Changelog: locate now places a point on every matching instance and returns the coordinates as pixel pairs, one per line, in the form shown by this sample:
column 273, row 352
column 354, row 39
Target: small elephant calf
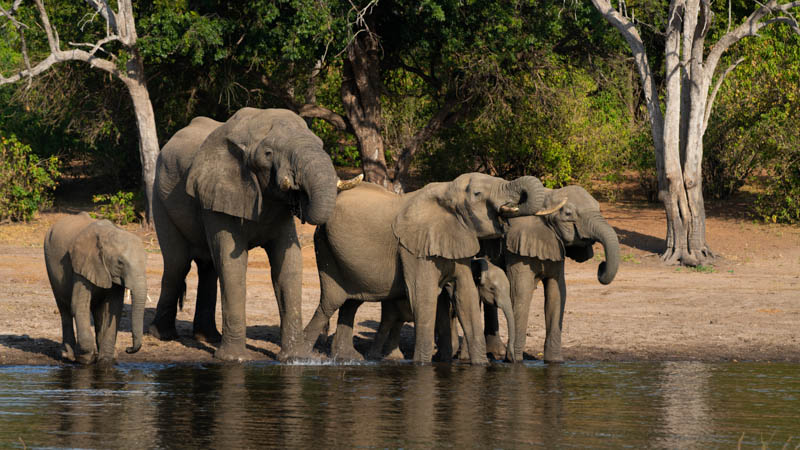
column 494, row 291
column 90, row 263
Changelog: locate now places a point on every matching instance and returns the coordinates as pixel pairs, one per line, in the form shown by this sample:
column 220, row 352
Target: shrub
column 119, row 208
column 26, row 181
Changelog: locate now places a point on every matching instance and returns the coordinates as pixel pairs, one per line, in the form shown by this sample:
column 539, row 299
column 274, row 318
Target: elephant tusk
column 286, row 184
column 545, row 212
column 509, row 210
column 343, row 185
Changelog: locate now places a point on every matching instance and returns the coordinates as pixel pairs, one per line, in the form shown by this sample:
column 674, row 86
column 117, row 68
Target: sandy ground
column 746, row 307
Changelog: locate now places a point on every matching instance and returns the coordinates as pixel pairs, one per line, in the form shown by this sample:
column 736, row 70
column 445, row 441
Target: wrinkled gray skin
column 493, row 289
column 382, row 246
column 89, row 264
column 224, row 188
column 535, row 248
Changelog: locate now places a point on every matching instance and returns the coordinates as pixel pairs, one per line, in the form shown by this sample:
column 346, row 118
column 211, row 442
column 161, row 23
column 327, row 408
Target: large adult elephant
column 225, row 188
column 382, row 246
column 535, row 248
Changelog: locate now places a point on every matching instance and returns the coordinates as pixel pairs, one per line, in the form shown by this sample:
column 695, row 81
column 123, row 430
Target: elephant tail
column 182, row 296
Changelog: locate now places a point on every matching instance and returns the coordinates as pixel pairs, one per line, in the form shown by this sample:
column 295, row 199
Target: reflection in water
column 686, row 414
column 232, row 406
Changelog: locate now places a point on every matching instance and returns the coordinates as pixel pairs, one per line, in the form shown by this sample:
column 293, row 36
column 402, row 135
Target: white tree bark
column 688, row 99
column 120, row 27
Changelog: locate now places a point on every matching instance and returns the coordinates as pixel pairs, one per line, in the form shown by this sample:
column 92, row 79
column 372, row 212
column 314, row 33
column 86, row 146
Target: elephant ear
column 86, row 254
column 220, row 178
column 530, row 236
column 580, row 253
column 426, row 227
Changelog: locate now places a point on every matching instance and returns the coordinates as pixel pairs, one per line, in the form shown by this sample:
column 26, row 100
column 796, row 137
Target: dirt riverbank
column 745, row 307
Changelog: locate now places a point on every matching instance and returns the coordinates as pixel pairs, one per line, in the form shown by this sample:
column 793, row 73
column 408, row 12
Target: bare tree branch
column 97, row 45
column 631, row 35
column 750, row 27
column 104, row 9
column 713, row 96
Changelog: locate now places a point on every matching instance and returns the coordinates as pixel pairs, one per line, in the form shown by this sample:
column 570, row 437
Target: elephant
column 494, row 290
column 534, row 248
column 222, row 189
column 379, row 245
column 90, row 263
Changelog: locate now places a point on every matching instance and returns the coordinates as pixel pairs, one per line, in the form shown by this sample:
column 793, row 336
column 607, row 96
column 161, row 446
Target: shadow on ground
column 639, row 241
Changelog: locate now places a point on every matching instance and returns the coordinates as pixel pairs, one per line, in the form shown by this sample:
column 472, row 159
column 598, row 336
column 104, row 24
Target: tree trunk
column 361, row 100
column 146, row 125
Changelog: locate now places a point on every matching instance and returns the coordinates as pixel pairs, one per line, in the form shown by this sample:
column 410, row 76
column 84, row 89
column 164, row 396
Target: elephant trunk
column 138, row 300
column 505, row 305
column 317, row 178
column 528, row 192
column 605, row 234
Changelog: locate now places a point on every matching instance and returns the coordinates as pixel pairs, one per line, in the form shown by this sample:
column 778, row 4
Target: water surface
column 671, row 404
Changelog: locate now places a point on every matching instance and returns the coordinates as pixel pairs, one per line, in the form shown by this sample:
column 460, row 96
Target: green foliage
column 560, row 126
column 121, row 208
column 753, row 133
column 26, row 182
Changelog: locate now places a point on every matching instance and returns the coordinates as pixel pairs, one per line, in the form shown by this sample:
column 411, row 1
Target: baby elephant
column 90, row 263
column 494, row 290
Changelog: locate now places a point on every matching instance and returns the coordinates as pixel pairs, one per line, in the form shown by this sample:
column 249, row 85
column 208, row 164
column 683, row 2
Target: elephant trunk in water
column 317, row 177
column 138, row 299
column 530, row 194
column 605, row 234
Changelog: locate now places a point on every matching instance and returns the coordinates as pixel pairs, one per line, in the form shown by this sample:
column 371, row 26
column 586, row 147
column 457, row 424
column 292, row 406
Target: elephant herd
column 429, row 256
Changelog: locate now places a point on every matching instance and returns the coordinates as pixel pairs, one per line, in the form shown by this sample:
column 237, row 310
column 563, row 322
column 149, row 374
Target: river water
column 670, row 404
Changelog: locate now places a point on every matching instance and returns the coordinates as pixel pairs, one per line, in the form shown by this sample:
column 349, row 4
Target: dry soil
column 745, row 307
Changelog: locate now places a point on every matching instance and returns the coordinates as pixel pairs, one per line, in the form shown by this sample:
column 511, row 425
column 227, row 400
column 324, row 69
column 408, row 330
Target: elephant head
column 568, row 225
column 448, row 219
column 495, row 289
column 106, row 255
column 264, row 153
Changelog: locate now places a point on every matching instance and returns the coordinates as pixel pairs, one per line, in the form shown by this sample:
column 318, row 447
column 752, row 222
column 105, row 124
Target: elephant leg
column 67, row 329
column 205, row 323
column 446, row 346
column 175, row 254
column 342, row 346
column 555, row 297
column 107, row 313
column 468, row 310
column 286, row 262
column 229, row 250
column 387, row 338
column 523, row 282
column 422, row 285
column 491, row 330
column 81, row 310
column 332, row 296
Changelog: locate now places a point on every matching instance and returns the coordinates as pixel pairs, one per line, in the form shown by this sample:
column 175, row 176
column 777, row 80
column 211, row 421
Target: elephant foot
column 495, row 347
column 441, row 357
column 374, row 355
column 346, row 354
column 67, row 353
column 232, row 352
column 105, row 361
column 86, row 358
column 210, row 335
column 553, row 357
column 557, row 360
column 162, row 333
column 290, row 355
